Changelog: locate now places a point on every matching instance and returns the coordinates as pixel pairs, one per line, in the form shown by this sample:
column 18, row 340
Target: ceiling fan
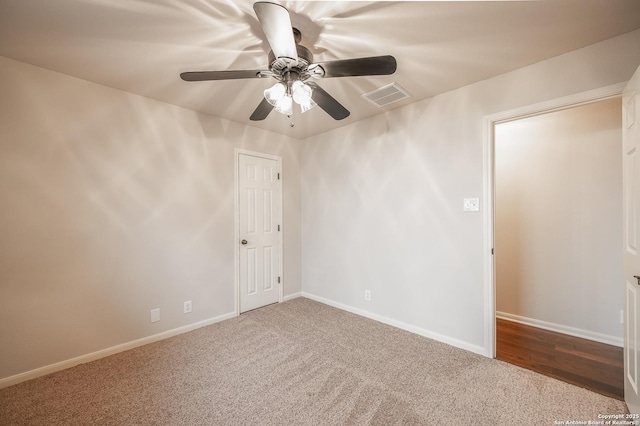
column 292, row 66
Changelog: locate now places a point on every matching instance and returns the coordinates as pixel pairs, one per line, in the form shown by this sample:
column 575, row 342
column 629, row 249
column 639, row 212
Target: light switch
column 471, row 204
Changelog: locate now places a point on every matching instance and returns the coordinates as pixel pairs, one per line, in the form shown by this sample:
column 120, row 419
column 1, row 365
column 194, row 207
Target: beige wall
column 558, row 219
column 382, row 199
column 112, row 205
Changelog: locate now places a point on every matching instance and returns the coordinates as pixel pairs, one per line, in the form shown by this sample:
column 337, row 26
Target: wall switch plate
column 187, row 306
column 367, row 295
column 471, row 204
column 155, row 315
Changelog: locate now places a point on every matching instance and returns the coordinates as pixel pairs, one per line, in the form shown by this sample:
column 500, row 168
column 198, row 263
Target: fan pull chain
column 292, row 124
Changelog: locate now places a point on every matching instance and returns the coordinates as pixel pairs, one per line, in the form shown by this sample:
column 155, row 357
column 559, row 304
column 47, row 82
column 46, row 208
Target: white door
column 631, row 224
column 259, row 248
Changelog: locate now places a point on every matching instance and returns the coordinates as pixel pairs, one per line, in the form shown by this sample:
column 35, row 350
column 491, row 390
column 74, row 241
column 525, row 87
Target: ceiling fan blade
column 327, row 102
column 276, row 24
column 222, row 75
column 262, row 111
column 374, row 65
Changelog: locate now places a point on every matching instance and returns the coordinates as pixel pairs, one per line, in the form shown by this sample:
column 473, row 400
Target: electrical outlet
column 367, row 295
column 187, row 306
column 155, row 315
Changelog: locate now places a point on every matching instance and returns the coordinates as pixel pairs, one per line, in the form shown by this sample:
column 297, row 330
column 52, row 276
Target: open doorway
column 557, row 239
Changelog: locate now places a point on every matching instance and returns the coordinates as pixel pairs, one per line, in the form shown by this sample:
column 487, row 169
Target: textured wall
column 382, row 198
column 112, row 205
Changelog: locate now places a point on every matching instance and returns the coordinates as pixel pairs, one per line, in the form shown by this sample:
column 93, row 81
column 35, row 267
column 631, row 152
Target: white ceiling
column 141, row 46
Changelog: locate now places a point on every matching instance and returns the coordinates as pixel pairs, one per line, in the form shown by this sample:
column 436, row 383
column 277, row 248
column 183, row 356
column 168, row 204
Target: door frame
column 489, row 123
column 236, row 222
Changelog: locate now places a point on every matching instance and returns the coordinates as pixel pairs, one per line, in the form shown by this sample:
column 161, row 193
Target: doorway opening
column 554, row 204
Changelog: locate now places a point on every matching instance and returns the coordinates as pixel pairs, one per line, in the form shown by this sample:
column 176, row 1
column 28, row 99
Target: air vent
column 387, row 95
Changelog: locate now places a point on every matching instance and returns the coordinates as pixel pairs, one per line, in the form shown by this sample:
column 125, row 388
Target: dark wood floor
column 585, row 363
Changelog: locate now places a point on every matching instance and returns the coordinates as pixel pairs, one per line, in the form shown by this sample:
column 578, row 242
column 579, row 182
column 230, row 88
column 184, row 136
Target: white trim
column 63, row 365
column 489, row 264
column 398, row 324
column 236, row 222
column 489, row 123
column 564, row 329
column 292, row 296
column 574, row 100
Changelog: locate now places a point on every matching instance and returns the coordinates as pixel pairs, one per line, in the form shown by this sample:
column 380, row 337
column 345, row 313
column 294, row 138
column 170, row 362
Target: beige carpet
column 298, row 363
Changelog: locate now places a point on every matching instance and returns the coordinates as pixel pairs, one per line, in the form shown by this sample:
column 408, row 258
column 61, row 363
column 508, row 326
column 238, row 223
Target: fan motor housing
column 305, row 58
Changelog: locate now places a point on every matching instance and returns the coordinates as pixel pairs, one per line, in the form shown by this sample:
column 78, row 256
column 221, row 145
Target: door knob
column 244, row 242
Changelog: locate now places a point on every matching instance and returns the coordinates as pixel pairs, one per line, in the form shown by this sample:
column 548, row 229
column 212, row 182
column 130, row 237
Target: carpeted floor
column 299, row 363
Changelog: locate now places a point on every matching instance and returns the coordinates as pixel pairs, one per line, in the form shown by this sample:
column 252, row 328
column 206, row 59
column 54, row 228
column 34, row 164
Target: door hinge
column 278, row 228
column 491, row 250
column 278, row 280
column 278, row 176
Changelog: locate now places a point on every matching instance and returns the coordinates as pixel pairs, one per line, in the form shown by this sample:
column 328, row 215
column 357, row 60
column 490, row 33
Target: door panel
column 631, row 257
column 259, row 250
column 267, row 196
column 631, row 347
column 630, row 200
column 251, row 212
column 268, row 270
column 251, row 269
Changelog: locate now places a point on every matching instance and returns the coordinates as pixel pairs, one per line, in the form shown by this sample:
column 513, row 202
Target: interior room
column 558, row 223
column 121, row 220
column 558, row 233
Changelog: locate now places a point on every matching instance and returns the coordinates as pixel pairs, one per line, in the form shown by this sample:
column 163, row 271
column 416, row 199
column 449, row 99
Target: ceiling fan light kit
column 291, row 64
column 302, row 95
column 282, row 95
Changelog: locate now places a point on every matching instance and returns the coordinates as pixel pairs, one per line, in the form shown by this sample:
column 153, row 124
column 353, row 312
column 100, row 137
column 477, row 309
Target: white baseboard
column 398, row 324
column 42, row 371
column 292, row 296
column 558, row 328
